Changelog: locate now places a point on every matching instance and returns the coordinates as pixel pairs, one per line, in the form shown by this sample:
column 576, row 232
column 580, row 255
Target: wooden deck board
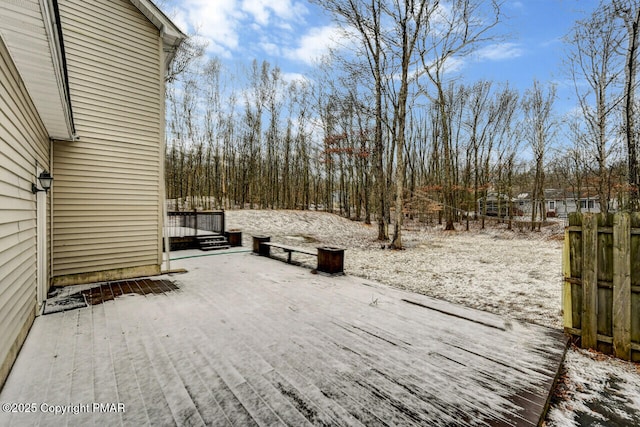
column 131, row 372
column 247, row 341
column 386, row 352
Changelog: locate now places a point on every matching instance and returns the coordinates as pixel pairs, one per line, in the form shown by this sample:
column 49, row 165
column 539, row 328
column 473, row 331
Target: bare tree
column 508, row 146
column 409, row 19
column 479, row 120
column 365, row 17
column 593, row 60
column 539, row 127
column 629, row 12
column 455, row 30
column 189, row 51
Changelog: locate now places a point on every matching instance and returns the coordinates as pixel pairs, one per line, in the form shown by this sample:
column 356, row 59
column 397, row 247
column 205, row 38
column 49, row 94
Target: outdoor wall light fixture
column 45, row 179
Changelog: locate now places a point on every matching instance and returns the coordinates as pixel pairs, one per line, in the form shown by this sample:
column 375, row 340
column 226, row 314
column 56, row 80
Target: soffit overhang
column 170, row 33
column 29, row 29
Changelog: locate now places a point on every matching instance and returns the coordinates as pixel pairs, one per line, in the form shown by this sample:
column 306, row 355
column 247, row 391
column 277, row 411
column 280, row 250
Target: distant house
column 560, row 203
column 81, row 97
column 496, row 204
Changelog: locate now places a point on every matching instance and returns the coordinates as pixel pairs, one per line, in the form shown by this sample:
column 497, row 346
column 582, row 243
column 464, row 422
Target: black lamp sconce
column 45, row 180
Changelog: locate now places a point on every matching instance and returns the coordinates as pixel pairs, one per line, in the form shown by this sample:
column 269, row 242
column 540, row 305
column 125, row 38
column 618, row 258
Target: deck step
column 211, row 248
column 212, row 242
column 211, row 237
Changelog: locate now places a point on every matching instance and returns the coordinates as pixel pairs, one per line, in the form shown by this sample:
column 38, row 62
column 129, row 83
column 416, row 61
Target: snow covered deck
column 245, row 340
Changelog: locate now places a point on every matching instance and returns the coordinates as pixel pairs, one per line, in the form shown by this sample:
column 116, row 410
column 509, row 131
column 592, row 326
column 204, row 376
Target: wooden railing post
column 195, row 220
column 622, row 286
column 590, row 281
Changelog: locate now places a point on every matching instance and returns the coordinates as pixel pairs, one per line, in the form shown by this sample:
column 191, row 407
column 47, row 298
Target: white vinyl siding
column 107, row 184
column 27, row 38
column 23, row 144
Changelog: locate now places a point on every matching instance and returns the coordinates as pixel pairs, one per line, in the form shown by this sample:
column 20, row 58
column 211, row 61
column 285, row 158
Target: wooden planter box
column 330, row 260
column 234, row 238
column 261, row 249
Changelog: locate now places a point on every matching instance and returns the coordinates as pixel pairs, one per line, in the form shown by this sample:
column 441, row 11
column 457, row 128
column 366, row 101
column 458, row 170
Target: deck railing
column 194, row 223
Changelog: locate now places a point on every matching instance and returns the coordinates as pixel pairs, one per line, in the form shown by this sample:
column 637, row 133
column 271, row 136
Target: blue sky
column 293, row 33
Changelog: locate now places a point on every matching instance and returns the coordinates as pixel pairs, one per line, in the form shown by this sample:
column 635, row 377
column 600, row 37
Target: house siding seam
column 107, row 188
column 23, row 144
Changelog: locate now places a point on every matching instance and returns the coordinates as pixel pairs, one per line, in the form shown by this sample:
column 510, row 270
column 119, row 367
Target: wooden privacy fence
column 601, row 295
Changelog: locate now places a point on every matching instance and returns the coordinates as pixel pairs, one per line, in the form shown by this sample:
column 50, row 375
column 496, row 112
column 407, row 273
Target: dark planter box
column 261, row 249
column 234, row 238
column 330, row 260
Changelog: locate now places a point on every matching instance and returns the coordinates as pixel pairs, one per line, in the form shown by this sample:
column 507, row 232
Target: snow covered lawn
column 514, row 274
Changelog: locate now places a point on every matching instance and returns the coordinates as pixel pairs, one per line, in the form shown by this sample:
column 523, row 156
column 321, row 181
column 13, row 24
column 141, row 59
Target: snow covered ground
column 514, row 274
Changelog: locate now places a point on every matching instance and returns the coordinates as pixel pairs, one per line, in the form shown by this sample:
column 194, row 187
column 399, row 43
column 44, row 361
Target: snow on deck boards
column 245, row 340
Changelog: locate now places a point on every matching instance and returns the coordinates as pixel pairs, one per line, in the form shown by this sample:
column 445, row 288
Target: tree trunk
column 629, row 107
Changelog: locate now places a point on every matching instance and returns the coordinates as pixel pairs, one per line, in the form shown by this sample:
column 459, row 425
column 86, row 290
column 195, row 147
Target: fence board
column 604, row 317
column 576, row 296
column 622, row 286
column 605, row 248
column 567, row 310
column 576, row 246
column 635, row 251
column 590, row 281
column 575, row 261
column 635, row 320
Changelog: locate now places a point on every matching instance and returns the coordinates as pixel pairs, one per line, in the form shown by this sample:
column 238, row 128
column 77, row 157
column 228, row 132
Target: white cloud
column 315, row 44
column 285, row 26
column 218, row 21
column 223, row 22
column 264, row 10
column 258, row 9
column 269, row 48
column 295, row 77
column 179, row 17
column 453, row 65
column 500, row 52
column 551, row 42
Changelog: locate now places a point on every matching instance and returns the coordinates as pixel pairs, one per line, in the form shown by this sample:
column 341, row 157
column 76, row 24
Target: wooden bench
column 289, row 249
column 330, row 259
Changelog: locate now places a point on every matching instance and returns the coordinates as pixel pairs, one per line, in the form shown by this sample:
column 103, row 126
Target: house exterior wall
column 107, row 195
column 562, row 207
column 24, row 145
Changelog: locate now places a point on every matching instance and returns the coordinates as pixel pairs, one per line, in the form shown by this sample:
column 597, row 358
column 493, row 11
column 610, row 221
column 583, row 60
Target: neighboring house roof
column 31, row 31
column 557, row 194
column 552, row 194
column 493, row 196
